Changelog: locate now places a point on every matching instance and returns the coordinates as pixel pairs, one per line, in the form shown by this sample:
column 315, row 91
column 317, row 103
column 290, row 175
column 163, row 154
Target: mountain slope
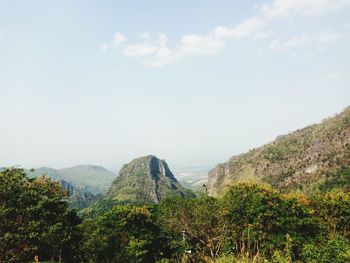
column 298, row 160
column 50, row 172
column 146, row 179
column 94, row 178
column 90, row 178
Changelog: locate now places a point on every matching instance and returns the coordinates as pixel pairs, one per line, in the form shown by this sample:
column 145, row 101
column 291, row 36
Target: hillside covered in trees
column 301, row 160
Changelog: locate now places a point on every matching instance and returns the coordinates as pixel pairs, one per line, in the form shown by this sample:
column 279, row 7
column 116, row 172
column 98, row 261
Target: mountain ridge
column 297, row 160
column 90, row 178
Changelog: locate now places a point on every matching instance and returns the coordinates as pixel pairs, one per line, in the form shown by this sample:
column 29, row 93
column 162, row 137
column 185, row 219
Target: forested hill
column 301, row 160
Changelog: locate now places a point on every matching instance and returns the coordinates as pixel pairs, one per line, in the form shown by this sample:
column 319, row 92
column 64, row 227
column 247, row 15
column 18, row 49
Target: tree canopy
column 35, row 219
column 250, row 223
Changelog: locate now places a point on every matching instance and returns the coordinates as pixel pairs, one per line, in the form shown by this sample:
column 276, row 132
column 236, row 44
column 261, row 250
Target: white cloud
column 163, row 40
column 118, row 39
column 200, row 45
column 156, row 53
column 243, row 30
column 140, row 49
column 322, row 38
column 164, row 56
column 147, row 46
column 190, row 45
column 287, row 8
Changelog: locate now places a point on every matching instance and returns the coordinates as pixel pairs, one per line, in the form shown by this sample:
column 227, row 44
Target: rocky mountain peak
column 145, row 179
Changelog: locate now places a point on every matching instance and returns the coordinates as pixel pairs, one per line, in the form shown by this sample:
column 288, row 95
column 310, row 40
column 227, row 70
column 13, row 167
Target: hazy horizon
column 193, row 83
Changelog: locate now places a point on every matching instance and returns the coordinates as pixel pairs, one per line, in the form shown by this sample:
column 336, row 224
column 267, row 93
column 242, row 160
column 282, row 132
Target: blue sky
column 193, row 82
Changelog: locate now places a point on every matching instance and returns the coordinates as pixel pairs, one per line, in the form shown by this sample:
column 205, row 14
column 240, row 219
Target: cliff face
column 67, row 186
column 146, row 179
column 295, row 161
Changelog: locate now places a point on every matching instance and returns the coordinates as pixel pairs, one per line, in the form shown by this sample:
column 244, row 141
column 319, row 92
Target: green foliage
column 333, row 209
column 345, row 122
column 98, row 208
column 334, row 250
column 124, row 234
column 251, row 223
column 35, row 220
column 282, row 149
column 338, row 180
column 285, row 256
column 197, row 224
column 261, row 219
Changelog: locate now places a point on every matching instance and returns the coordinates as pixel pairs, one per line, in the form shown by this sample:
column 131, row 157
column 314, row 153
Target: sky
column 193, row 82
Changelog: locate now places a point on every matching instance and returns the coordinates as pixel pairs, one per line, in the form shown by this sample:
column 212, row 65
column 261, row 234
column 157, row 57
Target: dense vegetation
column 35, row 220
column 250, row 223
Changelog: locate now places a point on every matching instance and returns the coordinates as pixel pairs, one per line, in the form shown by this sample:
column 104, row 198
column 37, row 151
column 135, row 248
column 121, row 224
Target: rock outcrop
column 146, row 180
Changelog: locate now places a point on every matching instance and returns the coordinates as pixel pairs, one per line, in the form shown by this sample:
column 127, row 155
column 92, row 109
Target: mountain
column 92, row 178
column 55, row 176
column 50, row 172
column 146, row 179
column 298, row 161
column 89, row 178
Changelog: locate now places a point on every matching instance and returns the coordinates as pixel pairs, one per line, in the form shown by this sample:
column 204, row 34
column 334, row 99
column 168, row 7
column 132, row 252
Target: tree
column 124, row 234
column 196, row 224
column 35, row 220
column 261, row 218
column 338, row 180
column 333, row 208
column 334, row 250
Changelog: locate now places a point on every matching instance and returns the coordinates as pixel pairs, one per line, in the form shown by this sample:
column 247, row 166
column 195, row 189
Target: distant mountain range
column 301, row 160
column 89, row 178
column 146, row 179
